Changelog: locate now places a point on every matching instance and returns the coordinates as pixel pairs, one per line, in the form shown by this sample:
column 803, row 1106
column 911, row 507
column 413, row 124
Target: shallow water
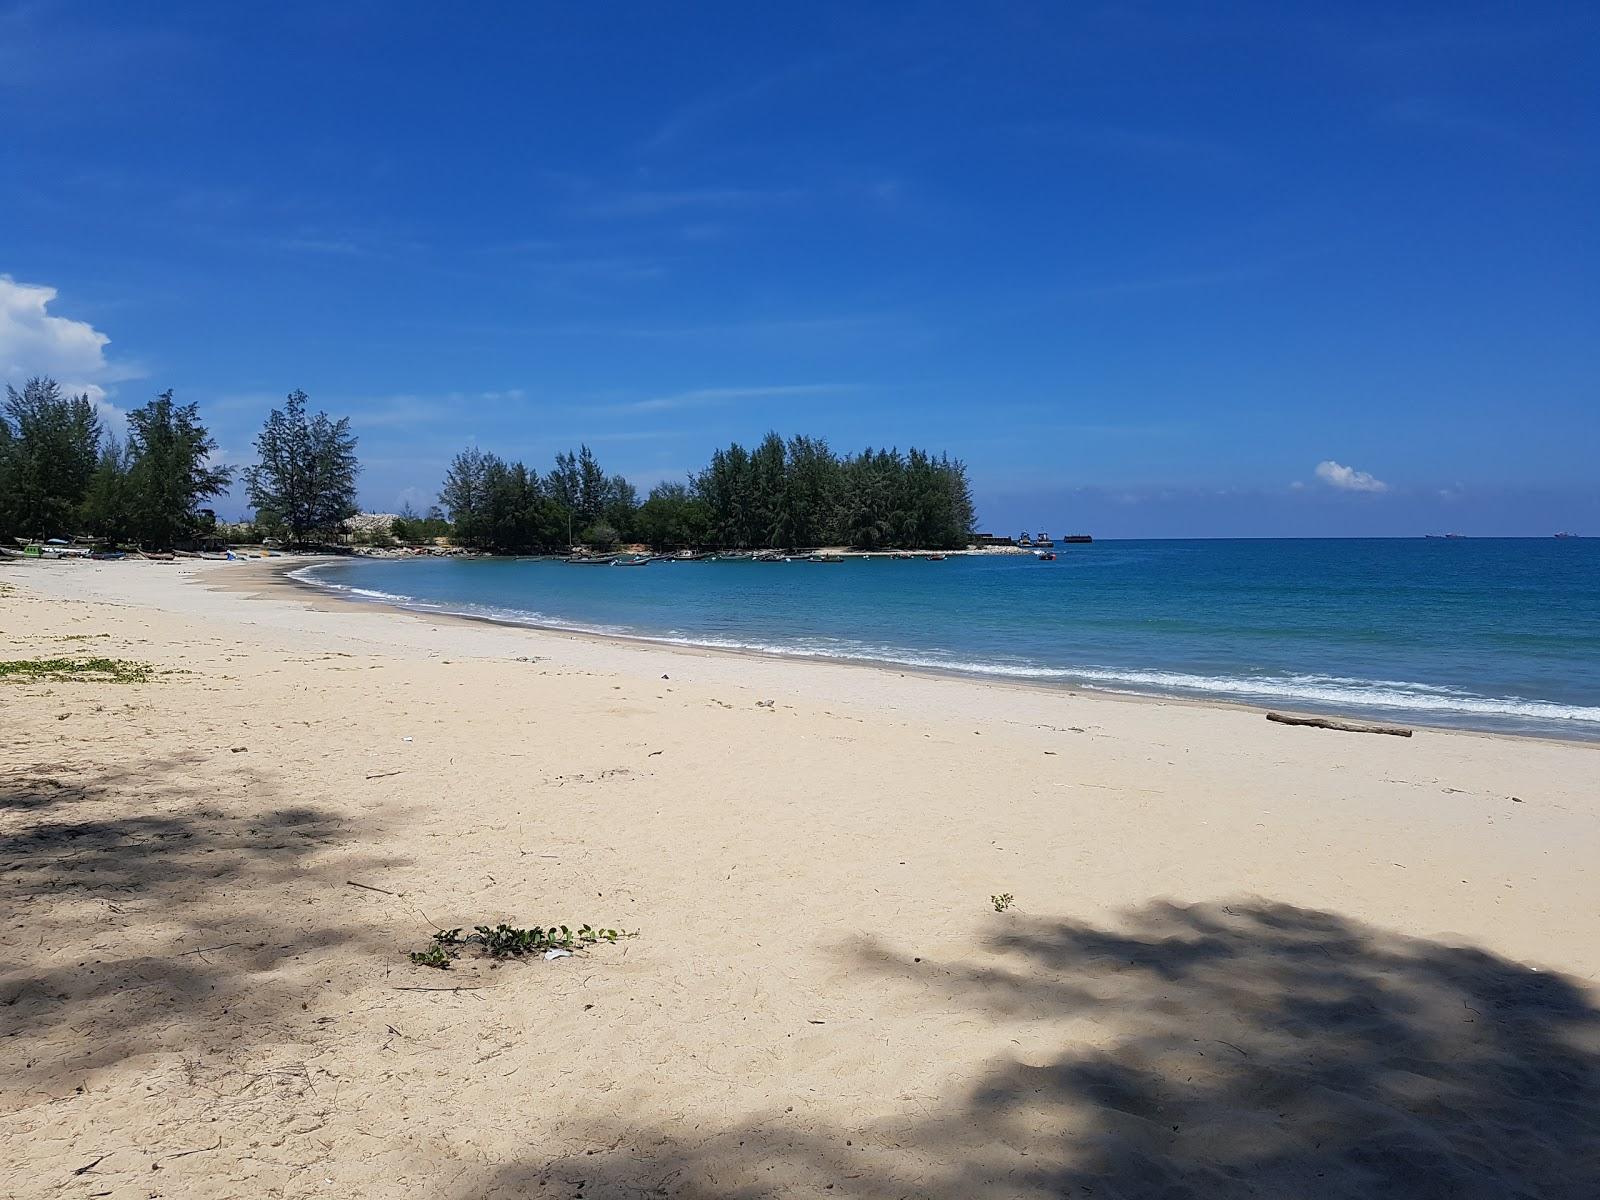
column 1497, row 634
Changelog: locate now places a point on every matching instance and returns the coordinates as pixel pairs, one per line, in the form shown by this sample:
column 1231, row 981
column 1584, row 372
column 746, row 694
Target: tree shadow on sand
column 1244, row 1050
column 146, row 902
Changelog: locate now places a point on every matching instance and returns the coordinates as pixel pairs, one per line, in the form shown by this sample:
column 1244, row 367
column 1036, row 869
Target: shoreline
column 285, row 576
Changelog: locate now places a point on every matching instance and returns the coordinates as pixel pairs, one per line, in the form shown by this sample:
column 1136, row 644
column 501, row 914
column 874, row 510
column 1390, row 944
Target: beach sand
column 1243, row 959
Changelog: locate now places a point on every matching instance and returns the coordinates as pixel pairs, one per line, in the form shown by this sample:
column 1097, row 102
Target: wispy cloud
column 1348, row 479
column 313, row 245
column 408, row 411
column 844, row 326
column 710, row 397
column 706, row 111
column 1126, row 142
column 647, row 202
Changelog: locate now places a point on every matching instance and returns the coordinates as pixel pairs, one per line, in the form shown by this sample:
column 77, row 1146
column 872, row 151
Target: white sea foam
column 1337, row 691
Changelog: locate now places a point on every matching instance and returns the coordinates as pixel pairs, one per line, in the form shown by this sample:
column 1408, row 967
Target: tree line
column 62, row 473
column 781, row 494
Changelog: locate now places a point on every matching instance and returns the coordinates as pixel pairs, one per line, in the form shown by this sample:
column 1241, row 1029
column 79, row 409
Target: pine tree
column 306, row 477
column 168, row 473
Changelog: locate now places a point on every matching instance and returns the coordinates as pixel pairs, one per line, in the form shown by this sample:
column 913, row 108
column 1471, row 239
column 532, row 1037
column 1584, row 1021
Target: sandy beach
column 1241, row 959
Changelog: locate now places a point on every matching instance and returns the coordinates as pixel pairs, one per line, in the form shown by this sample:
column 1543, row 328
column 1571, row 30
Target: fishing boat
column 825, row 558
column 583, row 560
column 937, row 557
column 1564, row 535
column 1043, row 539
column 630, row 562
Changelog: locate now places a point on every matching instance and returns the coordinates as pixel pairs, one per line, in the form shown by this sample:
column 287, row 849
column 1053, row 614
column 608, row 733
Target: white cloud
column 34, row 342
column 1348, row 479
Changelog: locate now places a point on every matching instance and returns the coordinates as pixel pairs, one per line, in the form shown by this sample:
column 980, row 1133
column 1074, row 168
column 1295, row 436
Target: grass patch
column 1002, row 901
column 507, row 941
column 75, row 670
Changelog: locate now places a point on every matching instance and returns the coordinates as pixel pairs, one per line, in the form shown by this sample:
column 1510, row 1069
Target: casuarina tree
column 169, row 472
column 306, row 479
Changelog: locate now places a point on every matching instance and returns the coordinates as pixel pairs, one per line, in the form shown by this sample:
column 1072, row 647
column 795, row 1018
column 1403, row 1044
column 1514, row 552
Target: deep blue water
column 1485, row 633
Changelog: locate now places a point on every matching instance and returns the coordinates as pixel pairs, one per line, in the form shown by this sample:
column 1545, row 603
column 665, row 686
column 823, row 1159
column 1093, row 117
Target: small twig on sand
column 205, row 949
column 369, row 888
column 196, row 1150
column 89, row 1166
column 385, row 774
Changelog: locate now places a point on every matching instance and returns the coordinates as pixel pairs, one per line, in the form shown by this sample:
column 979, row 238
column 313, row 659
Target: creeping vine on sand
column 1002, row 901
column 75, row 670
column 508, row 941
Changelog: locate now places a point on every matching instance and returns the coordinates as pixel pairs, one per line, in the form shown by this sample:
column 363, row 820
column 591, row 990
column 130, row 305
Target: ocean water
column 1495, row 634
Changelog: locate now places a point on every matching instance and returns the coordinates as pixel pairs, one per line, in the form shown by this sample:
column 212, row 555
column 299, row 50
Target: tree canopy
column 781, row 494
column 168, row 473
column 305, row 480
column 49, row 448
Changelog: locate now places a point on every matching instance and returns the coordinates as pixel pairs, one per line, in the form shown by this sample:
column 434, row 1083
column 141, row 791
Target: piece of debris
column 1342, row 726
column 367, row 887
column 237, row 749
column 553, row 954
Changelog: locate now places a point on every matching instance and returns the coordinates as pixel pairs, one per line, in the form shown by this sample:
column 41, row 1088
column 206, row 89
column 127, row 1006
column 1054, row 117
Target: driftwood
column 1342, row 726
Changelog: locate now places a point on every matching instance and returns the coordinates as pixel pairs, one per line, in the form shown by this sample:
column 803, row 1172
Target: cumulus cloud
column 1348, row 479
column 35, row 342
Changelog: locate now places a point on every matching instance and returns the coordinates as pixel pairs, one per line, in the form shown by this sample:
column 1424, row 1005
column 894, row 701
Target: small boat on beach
column 937, row 557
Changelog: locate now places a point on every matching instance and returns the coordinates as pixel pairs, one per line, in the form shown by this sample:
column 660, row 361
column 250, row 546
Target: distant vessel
column 1024, row 540
column 1076, row 539
column 1043, row 539
column 1451, row 536
column 1564, row 535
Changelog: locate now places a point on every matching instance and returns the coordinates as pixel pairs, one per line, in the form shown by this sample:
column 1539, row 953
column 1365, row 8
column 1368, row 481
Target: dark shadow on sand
column 141, row 904
column 1244, row 1050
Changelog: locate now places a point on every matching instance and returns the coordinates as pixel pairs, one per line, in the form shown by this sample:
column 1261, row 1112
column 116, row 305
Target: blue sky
column 1172, row 269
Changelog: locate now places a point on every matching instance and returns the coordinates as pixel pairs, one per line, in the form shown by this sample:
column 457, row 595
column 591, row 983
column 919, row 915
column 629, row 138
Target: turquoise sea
column 1497, row 634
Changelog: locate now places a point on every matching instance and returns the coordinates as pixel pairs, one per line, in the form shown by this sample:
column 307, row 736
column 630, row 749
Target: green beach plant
column 510, row 941
column 75, row 670
column 1002, row 901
